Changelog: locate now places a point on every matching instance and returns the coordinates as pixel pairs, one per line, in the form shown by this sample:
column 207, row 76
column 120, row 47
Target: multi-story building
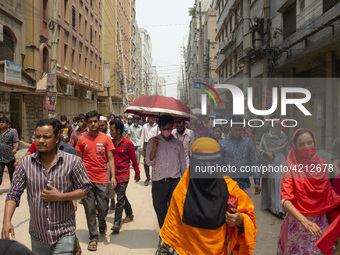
column 137, row 59
column 154, row 87
column 14, row 81
column 201, row 49
column 79, row 54
column 146, row 61
column 161, row 90
column 284, row 39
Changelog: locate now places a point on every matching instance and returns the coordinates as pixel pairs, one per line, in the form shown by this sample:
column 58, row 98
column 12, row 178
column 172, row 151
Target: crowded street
column 140, row 236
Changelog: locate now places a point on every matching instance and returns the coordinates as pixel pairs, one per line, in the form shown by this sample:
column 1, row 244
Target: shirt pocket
column 121, row 151
column 62, row 183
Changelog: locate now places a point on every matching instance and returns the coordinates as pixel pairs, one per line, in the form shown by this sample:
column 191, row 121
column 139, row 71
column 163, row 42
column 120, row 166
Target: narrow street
column 141, row 235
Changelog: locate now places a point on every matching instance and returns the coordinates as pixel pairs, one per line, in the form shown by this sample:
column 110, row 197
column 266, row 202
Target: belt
column 168, row 179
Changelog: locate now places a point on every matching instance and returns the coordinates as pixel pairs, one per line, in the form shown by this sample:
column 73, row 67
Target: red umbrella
column 154, row 106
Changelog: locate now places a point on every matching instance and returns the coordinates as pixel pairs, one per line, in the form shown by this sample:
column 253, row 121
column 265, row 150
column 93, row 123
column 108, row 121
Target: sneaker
column 146, row 183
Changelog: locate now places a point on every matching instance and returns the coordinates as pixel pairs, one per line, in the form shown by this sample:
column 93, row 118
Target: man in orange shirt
column 96, row 150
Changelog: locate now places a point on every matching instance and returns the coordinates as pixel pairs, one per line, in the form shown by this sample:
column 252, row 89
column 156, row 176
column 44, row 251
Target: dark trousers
column 10, row 167
column 161, row 197
column 122, row 203
column 146, row 167
column 97, row 199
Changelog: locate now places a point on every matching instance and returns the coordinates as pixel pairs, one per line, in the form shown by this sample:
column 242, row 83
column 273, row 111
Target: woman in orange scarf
column 197, row 218
column 306, row 194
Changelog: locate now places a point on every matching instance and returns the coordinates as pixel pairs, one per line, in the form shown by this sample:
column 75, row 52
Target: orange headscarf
column 307, row 184
column 188, row 240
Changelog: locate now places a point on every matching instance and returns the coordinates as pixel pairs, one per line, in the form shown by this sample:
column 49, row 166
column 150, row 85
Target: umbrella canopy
column 154, row 106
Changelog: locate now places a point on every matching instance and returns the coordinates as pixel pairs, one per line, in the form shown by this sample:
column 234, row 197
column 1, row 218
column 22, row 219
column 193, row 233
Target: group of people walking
column 90, row 160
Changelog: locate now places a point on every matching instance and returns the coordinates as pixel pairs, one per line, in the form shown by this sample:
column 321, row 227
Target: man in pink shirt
column 166, row 155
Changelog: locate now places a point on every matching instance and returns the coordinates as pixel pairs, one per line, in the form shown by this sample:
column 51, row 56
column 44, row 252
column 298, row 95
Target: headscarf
column 311, row 193
column 275, row 139
column 203, row 194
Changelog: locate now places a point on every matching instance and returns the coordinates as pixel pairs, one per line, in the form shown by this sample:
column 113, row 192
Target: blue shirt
column 67, row 148
column 239, row 155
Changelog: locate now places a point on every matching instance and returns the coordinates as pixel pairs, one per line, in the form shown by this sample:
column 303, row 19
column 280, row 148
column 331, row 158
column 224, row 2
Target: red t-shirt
column 94, row 150
column 33, row 148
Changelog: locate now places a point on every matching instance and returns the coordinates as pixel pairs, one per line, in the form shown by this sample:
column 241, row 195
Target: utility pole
column 201, row 42
column 54, row 26
column 123, row 63
column 266, row 27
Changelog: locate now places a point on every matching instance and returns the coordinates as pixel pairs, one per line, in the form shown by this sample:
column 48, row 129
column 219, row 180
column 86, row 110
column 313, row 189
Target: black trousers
column 146, row 167
column 10, row 167
column 122, row 203
column 161, row 197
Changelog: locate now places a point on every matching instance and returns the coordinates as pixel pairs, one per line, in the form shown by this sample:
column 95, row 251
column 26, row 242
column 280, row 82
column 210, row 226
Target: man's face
column 45, row 139
column 112, row 117
column 151, row 121
column 4, row 125
column 93, row 123
column 180, row 124
column 113, row 131
column 236, row 131
column 81, row 123
column 136, row 122
column 102, row 126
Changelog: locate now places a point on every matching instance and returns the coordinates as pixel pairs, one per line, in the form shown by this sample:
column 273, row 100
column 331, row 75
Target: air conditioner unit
column 87, row 94
column 68, row 90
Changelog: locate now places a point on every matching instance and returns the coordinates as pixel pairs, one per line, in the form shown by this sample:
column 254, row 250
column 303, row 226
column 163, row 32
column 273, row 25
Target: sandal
column 128, row 219
column 102, row 226
column 92, row 245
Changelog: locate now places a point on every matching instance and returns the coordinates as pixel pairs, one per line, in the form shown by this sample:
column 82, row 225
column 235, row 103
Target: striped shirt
column 49, row 221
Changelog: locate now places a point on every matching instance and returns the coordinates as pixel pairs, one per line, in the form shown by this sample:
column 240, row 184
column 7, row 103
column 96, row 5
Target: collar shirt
column 148, row 132
column 187, row 138
column 6, row 145
column 49, row 221
column 124, row 153
column 135, row 134
column 169, row 161
column 240, row 154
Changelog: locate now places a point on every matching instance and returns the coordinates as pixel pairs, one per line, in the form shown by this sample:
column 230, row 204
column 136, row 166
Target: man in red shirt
column 124, row 153
column 96, row 149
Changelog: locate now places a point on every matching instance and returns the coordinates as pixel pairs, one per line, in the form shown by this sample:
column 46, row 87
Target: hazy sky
column 167, row 22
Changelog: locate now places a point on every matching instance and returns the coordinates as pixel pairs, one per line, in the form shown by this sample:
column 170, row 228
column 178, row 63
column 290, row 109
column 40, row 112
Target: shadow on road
column 129, row 238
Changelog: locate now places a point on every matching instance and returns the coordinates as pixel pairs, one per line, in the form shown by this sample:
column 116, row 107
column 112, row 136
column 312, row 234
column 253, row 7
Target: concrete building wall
column 146, row 61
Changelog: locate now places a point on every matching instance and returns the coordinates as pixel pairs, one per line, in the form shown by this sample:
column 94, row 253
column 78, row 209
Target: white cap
column 103, row 118
column 130, row 117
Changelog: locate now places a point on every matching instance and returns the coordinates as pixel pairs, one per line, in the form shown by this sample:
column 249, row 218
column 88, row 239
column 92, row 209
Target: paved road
column 141, row 235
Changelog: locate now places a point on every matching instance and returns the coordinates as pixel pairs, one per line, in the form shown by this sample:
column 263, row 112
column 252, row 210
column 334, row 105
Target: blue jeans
column 64, row 246
column 137, row 151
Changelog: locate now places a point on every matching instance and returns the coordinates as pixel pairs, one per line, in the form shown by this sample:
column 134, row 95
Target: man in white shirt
column 149, row 130
column 135, row 134
column 186, row 136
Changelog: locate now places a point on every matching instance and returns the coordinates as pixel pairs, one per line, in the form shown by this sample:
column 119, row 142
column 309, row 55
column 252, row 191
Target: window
column 80, row 63
column 91, row 34
column 73, row 17
column 76, row 92
column 66, row 11
column 45, row 60
column 66, row 53
column 74, row 62
column 45, row 9
column 328, row 4
column 289, row 21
